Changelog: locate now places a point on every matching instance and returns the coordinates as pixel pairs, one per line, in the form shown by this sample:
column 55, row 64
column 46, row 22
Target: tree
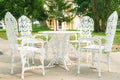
column 2, row 9
column 95, row 14
column 84, row 7
column 16, row 7
column 61, row 10
column 101, row 9
column 34, row 9
column 39, row 11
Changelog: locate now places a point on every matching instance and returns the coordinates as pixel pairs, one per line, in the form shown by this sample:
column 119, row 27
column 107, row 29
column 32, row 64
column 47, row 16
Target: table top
column 57, row 32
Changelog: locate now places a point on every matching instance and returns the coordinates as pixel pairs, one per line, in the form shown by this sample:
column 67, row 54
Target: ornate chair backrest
column 11, row 30
column 86, row 27
column 25, row 26
column 110, row 30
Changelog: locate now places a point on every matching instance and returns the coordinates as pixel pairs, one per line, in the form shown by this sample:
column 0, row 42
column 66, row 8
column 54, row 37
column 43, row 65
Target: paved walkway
column 57, row 73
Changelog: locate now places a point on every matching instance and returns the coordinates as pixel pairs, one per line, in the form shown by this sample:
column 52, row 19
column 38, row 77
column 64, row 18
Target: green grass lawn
column 3, row 34
column 116, row 39
column 37, row 29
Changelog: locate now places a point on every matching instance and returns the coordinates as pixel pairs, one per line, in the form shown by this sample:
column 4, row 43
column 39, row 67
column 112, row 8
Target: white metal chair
column 96, row 45
column 86, row 27
column 11, row 24
column 25, row 49
column 25, row 29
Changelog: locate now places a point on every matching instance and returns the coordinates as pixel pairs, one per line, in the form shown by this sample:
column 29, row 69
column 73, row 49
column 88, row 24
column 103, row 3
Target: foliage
column 31, row 8
column 60, row 10
column 39, row 11
column 2, row 9
column 84, row 7
column 100, row 10
column 35, row 9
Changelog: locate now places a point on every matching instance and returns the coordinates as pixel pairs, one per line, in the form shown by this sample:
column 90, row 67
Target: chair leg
column 23, row 66
column 46, row 50
column 24, row 61
column 75, row 49
column 33, row 58
column 23, row 70
column 108, row 60
column 42, row 62
column 78, row 65
column 27, row 61
column 99, row 67
column 43, row 68
column 92, row 58
column 33, row 53
column 12, row 64
column 79, row 59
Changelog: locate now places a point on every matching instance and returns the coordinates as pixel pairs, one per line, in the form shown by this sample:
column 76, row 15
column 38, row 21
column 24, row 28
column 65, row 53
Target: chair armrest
column 28, row 41
column 19, row 38
column 93, row 41
column 100, row 37
column 82, row 39
column 43, row 37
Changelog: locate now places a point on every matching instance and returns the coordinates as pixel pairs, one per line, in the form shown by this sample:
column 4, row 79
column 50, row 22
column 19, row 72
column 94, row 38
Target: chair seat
column 30, row 48
column 73, row 41
column 77, row 41
column 26, row 46
column 96, row 43
column 94, row 47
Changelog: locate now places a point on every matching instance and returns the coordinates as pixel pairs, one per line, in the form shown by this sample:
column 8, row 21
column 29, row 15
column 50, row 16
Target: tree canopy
column 99, row 10
column 35, row 9
column 61, row 10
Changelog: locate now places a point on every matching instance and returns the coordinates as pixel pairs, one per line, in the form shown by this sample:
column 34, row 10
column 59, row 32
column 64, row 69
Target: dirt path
column 58, row 72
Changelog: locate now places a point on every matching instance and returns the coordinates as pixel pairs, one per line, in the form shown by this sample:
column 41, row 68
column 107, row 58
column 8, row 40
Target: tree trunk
column 43, row 23
column 103, row 22
column 100, row 17
column 107, row 9
column 56, row 27
column 95, row 14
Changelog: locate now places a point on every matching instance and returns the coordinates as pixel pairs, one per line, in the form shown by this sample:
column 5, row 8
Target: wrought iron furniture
column 60, row 46
column 86, row 27
column 96, row 45
column 24, row 50
column 25, row 29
